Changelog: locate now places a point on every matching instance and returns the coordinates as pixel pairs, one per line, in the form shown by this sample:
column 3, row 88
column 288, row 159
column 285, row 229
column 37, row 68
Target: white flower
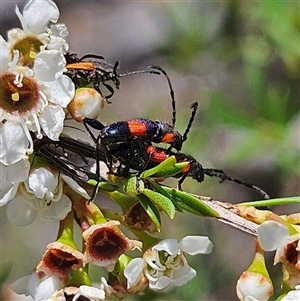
column 10, row 178
column 165, row 264
column 33, row 88
column 32, row 101
column 42, row 194
column 275, row 236
column 37, row 285
column 37, row 14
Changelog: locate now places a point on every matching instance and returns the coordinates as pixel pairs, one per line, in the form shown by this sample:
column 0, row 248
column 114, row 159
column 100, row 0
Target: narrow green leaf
column 273, row 202
column 160, row 190
column 161, row 201
column 103, row 185
column 167, row 168
column 132, row 185
column 151, row 210
column 190, row 203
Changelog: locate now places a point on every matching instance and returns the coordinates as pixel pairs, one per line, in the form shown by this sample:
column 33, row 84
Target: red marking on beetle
column 156, row 155
column 137, row 128
column 168, row 138
column 81, row 66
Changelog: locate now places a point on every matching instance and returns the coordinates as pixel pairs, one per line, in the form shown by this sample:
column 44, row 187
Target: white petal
column 91, row 293
column 75, row 186
column 62, row 90
column 169, row 245
column 20, row 213
column 48, row 65
column 133, row 271
column 10, row 177
column 13, row 143
column 58, row 210
column 42, row 182
column 52, row 121
column 20, row 286
column 18, row 172
column 271, row 235
column 37, row 14
column 4, row 55
column 7, row 192
column 162, row 283
column 196, row 245
column 183, row 275
column 46, row 288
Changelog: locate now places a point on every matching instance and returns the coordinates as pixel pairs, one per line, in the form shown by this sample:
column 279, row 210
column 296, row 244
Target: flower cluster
column 34, row 91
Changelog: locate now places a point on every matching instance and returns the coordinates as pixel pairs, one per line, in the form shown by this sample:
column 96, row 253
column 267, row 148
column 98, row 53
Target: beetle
column 147, row 130
column 93, row 69
column 144, row 157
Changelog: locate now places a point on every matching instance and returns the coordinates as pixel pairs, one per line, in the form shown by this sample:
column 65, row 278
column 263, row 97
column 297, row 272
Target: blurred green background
column 240, row 61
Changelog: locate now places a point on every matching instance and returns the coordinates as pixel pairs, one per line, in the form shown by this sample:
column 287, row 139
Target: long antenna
column 220, row 174
column 171, row 91
column 194, row 108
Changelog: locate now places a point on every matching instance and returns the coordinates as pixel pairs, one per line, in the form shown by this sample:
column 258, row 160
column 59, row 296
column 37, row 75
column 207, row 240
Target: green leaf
column 103, row 185
column 190, row 203
column 151, row 210
column 132, row 185
column 273, row 202
column 167, row 168
column 124, row 200
column 161, row 201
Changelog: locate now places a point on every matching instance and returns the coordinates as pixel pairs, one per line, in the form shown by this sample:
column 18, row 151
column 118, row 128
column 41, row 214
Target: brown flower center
column 16, row 99
column 28, row 48
column 107, row 244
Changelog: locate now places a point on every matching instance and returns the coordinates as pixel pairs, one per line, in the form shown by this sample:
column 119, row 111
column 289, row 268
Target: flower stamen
column 15, row 96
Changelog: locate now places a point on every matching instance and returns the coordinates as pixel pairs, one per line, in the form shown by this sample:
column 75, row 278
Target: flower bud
column 87, row 102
